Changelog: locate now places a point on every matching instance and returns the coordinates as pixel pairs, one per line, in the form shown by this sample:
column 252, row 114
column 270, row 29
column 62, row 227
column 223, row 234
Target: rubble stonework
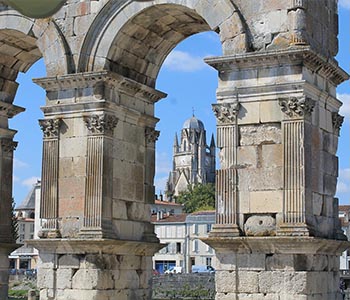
column 278, row 127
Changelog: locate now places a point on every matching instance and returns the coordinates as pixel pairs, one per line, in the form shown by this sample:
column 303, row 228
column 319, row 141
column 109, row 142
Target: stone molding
column 151, row 135
column 96, row 245
column 226, row 112
column 337, row 121
column 297, row 107
column 8, row 145
column 281, row 245
column 101, row 124
column 295, row 4
column 50, row 127
column 294, row 56
column 10, row 110
column 91, row 79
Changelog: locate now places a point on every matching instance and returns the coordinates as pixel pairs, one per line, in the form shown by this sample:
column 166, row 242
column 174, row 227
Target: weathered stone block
column 266, row 202
column 91, row 279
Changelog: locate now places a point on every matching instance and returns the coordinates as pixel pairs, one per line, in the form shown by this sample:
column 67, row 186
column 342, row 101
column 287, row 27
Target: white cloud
column 29, row 182
column 345, row 109
column 15, row 178
column 163, row 163
column 184, row 61
column 18, row 164
column 342, row 187
column 345, row 3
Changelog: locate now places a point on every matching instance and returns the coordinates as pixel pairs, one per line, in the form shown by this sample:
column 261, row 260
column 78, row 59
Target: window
column 208, row 227
column 208, row 261
column 22, row 227
column 195, row 245
column 195, row 228
column 178, row 247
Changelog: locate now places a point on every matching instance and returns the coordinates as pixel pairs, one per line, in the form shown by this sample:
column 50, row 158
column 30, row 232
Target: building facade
column 26, row 257
column 182, row 235
column 193, row 159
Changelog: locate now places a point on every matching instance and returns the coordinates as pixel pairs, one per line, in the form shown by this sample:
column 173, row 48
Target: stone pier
column 277, row 234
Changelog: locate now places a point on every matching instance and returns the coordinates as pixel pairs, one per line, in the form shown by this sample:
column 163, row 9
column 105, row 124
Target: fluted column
column 297, row 114
column 49, row 178
column 97, row 208
column 226, row 177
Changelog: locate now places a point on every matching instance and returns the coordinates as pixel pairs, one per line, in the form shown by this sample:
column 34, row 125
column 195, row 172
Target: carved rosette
column 226, row 112
column 8, row 145
column 297, row 107
column 151, row 135
column 50, row 127
column 101, row 124
column 337, row 121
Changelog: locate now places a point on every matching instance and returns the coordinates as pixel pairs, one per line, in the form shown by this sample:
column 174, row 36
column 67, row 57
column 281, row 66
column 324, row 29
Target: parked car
column 202, row 269
column 173, row 270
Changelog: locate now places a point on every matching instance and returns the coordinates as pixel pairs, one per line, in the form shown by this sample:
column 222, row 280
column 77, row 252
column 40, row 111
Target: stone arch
column 132, row 44
column 26, row 40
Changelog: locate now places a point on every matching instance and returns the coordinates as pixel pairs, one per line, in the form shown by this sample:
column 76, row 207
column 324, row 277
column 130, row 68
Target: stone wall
column 184, row 286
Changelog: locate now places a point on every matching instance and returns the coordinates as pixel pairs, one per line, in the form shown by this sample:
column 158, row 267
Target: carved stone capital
column 226, row 112
column 101, row 124
column 151, row 135
column 8, row 145
column 50, row 127
column 297, row 107
column 337, row 121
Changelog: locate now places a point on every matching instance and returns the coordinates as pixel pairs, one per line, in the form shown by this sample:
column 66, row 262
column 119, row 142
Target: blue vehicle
column 202, row 269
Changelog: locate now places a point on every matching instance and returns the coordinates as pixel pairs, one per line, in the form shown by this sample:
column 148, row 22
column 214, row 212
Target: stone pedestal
column 5, row 250
column 95, row 269
column 283, row 268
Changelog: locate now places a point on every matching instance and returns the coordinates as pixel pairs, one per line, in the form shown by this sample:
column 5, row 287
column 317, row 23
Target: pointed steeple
column 212, row 146
column 176, row 144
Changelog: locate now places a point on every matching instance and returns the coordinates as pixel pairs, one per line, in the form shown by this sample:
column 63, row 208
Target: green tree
column 197, row 197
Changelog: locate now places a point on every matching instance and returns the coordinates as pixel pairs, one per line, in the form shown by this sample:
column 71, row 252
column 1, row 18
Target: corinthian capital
column 151, row 135
column 50, row 127
column 8, row 145
column 297, row 107
column 226, row 112
column 101, row 124
column 337, row 121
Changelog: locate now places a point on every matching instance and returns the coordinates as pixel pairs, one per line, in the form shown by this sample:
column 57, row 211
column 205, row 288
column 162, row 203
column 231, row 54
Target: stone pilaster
column 226, row 178
column 7, row 147
column 97, row 206
column 49, row 178
column 297, row 115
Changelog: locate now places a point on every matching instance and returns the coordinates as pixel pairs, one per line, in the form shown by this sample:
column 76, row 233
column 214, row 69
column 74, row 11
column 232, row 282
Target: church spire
column 176, row 144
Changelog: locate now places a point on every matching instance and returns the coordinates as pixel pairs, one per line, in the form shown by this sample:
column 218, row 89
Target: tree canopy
column 197, row 197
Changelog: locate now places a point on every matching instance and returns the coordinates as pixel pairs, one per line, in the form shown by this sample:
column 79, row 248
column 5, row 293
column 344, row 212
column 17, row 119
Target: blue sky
column 190, row 84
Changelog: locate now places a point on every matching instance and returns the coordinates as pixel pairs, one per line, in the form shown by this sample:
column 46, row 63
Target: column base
column 225, row 230
column 49, row 234
column 294, row 230
column 288, row 268
column 95, row 269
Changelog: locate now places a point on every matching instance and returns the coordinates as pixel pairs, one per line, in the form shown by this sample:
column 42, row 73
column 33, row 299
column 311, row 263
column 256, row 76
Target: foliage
column 197, row 197
column 14, row 223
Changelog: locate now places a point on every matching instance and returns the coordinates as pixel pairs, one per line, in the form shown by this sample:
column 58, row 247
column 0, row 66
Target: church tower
column 193, row 159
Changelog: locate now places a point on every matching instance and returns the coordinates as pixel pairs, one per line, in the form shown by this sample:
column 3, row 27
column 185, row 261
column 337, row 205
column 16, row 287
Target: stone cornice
column 10, row 110
column 295, row 56
column 281, row 244
column 90, row 79
column 107, row 246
